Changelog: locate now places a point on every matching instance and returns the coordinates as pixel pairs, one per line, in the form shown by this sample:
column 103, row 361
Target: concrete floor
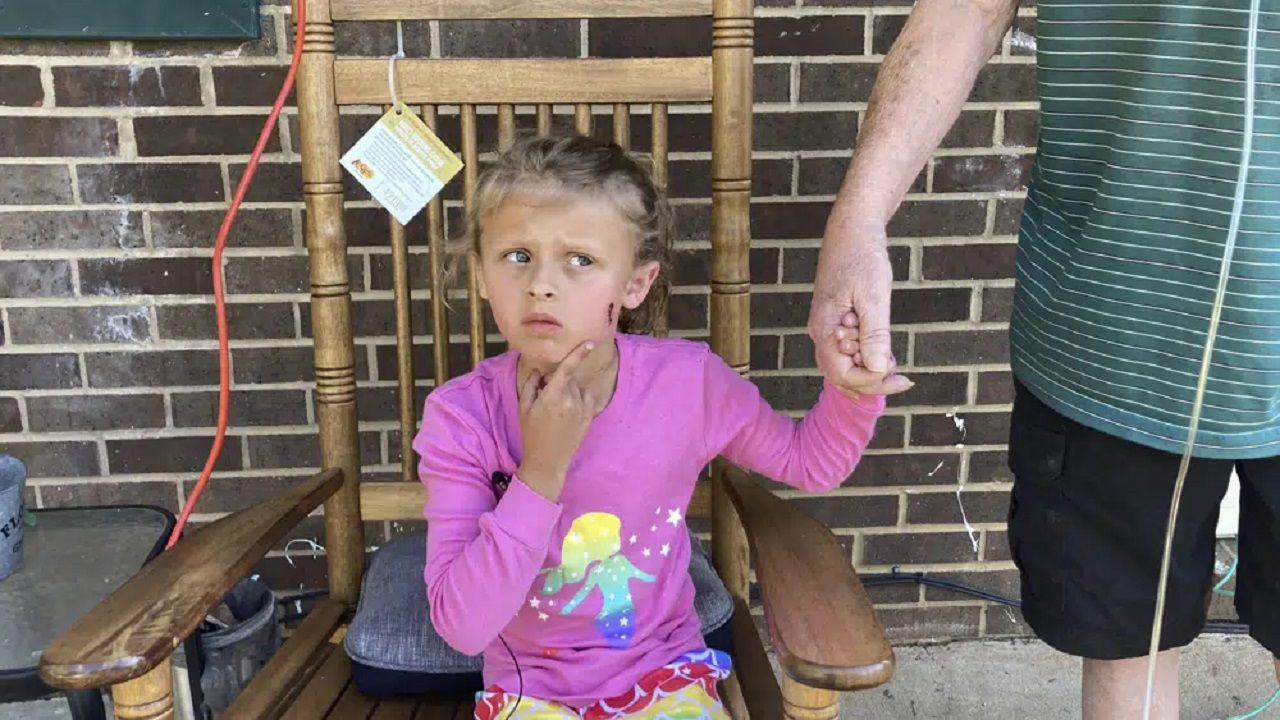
column 1221, row 676
column 979, row 680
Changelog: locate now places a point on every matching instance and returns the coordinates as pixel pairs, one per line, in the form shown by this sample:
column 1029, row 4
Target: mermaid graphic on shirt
column 591, row 551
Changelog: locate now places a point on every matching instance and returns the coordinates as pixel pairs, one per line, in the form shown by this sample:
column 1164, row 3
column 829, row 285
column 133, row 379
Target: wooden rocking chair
column 821, row 623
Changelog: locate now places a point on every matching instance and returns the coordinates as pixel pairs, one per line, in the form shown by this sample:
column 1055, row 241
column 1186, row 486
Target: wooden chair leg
column 731, row 696
column 802, row 702
column 149, row 697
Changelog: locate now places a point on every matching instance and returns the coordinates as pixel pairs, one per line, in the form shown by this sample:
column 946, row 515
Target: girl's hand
column 553, row 421
column 847, row 341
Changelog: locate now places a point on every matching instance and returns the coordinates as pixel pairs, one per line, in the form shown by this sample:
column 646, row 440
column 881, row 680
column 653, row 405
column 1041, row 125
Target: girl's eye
column 517, row 256
column 581, row 261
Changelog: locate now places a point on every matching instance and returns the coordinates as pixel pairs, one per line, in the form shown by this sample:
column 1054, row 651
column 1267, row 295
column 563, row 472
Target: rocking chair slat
column 436, row 260
column 405, row 396
column 544, row 119
column 324, row 689
column 622, row 125
column 470, row 175
column 353, row 705
column 506, row 126
column 293, row 665
column 658, row 150
column 396, row 709
column 582, row 118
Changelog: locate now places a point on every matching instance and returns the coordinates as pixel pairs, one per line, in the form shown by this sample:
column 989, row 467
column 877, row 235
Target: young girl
column 558, row 474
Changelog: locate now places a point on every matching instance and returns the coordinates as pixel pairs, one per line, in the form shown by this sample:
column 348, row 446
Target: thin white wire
column 1224, row 274
column 391, row 65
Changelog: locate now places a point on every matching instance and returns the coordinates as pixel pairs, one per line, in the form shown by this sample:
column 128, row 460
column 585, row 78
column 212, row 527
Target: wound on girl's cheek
column 610, row 313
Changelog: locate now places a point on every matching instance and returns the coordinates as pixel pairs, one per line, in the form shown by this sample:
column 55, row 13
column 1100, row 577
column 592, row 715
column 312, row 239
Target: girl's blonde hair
column 582, row 165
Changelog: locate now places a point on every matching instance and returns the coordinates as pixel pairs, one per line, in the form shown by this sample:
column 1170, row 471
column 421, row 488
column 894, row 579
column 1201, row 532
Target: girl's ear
column 640, row 283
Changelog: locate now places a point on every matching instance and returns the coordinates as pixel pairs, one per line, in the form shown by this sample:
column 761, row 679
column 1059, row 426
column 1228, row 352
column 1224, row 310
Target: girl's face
column 558, row 270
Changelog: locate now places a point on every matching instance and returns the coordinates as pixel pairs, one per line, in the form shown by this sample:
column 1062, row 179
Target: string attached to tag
column 391, row 67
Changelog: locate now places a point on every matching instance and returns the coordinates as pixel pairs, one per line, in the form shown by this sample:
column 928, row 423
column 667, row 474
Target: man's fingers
column 876, row 349
column 849, row 346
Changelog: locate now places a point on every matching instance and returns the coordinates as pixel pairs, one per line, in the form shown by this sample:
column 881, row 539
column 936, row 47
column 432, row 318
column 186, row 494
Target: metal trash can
column 13, row 480
column 230, row 656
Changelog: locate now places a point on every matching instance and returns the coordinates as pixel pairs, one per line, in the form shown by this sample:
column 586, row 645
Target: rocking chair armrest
column 820, row 619
column 136, row 627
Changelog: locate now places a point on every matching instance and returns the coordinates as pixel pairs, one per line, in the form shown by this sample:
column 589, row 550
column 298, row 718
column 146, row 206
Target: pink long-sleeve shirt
column 592, row 592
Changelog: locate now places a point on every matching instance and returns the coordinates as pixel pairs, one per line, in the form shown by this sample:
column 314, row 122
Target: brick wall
column 116, row 160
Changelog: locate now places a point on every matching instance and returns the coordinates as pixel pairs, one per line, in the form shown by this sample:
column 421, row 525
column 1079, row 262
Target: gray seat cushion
column 392, row 625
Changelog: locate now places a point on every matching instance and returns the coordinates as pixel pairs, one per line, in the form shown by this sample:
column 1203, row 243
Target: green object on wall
column 129, row 19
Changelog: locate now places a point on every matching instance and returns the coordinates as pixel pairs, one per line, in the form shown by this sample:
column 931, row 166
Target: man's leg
column 1116, row 689
column 1086, row 529
column 1258, row 575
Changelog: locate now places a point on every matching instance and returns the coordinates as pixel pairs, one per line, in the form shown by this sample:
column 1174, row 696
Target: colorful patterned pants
column 684, row 689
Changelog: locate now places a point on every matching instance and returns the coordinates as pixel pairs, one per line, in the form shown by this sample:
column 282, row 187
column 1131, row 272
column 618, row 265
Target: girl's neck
column 598, row 372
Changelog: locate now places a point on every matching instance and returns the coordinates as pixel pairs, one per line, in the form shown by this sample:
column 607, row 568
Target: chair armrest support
column 136, row 627
column 821, row 621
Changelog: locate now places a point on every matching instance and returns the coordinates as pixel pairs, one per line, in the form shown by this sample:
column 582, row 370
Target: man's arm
column 918, row 95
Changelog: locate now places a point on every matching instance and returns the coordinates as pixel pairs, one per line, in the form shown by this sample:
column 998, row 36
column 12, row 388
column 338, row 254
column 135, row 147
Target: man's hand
column 849, row 316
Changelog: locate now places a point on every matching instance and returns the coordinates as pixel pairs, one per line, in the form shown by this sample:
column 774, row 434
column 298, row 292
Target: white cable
column 1246, row 150
column 391, row 65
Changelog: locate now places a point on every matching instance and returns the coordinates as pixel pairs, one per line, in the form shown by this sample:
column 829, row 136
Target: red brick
column 170, row 454
column 509, row 38
column 1021, row 127
column 939, row 218
column 159, row 494
column 94, row 324
column 248, row 408
column 71, row 230
column 1001, row 82
column 33, row 185
column 10, row 415
column 20, row 86
column 256, row 85
column 944, row 508
column 245, row 321
column 910, row 469
column 118, row 86
column 812, row 35
column 917, row 548
column 152, row 368
column 969, row 262
column 964, row 427
column 69, row 458
column 981, row 173
column 32, row 136
column 150, row 182
column 995, row 388
column 961, row 347
column 885, row 31
column 649, row 37
column 67, row 413
column 146, row 276
column 39, row 371
column 846, row 512
column 35, row 278
column 997, row 304
column 200, row 134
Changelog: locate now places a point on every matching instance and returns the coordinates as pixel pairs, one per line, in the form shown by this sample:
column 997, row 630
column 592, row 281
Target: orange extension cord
column 220, row 304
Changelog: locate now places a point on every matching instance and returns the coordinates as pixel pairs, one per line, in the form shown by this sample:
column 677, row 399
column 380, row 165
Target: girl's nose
column 543, row 285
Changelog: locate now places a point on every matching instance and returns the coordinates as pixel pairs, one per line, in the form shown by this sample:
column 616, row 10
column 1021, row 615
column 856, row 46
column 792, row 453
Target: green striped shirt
column 1127, row 216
